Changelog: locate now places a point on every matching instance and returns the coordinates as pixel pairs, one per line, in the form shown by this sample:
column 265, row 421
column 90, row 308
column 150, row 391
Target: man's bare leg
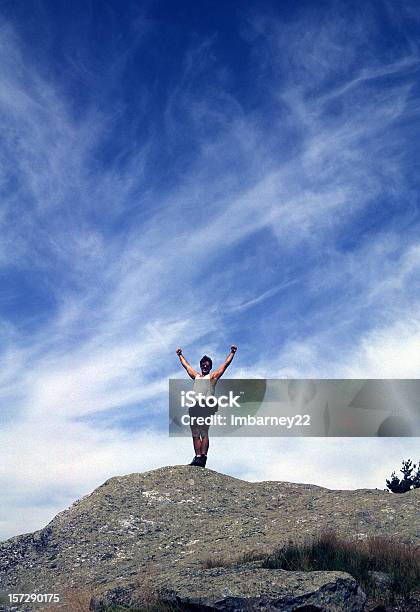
column 204, row 445
column 197, row 445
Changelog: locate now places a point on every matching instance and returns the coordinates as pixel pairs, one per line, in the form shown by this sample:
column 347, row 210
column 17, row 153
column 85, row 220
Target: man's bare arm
column 191, row 372
column 221, row 370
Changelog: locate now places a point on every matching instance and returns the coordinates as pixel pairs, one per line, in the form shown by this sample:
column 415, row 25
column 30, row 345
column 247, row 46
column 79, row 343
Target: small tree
column 410, row 480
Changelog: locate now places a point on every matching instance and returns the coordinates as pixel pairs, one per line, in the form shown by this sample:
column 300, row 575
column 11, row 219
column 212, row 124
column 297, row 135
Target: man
column 203, row 383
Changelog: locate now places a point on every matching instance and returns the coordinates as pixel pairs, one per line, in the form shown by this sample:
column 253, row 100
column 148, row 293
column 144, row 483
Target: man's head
column 206, row 365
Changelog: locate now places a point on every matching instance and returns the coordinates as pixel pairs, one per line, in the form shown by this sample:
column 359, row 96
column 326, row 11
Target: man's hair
column 205, row 358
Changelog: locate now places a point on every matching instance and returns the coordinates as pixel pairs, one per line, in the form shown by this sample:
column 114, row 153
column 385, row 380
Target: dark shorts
column 200, row 431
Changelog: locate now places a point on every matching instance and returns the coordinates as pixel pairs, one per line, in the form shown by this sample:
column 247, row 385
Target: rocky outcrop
column 166, row 522
column 248, row 587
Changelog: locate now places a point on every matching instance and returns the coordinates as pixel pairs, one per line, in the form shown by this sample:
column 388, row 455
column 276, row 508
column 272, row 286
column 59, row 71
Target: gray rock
column 245, row 588
column 168, row 521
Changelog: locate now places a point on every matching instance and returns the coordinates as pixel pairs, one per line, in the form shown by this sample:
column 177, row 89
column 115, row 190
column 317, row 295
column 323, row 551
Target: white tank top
column 204, row 384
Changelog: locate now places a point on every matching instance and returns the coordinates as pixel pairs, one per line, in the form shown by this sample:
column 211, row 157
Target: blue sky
column 197, row 175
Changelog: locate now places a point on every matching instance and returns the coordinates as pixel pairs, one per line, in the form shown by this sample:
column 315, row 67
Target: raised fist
column 179, row 352
column 233, row 348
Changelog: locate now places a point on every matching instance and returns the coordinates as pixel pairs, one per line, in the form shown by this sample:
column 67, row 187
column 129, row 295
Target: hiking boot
column 195, row 461
column 201, row 461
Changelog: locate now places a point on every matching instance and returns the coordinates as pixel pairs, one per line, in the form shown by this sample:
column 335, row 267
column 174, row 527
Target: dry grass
column 234, row 561
column 71, row 600
column 145, row 591
column 328, row 552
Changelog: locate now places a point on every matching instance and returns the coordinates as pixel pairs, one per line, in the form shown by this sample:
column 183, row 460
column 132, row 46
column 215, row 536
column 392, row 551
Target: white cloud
column 391, row 352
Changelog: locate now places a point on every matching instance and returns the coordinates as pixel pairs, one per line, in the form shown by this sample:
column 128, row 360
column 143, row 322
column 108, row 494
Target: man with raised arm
column 203, row 383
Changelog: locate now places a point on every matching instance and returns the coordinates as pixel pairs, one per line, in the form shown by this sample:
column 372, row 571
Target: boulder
column 248, row 587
